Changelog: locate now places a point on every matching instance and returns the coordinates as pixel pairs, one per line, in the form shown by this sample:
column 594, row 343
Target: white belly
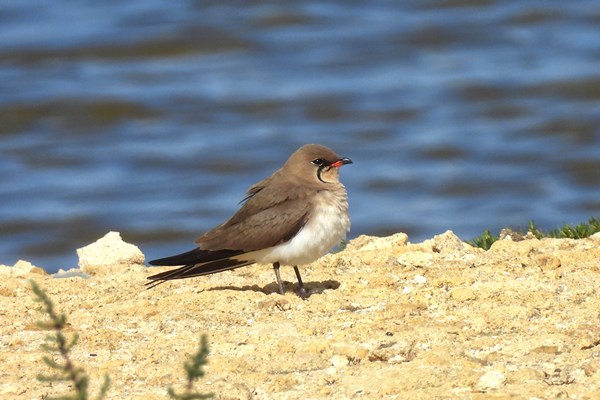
column 325, row 229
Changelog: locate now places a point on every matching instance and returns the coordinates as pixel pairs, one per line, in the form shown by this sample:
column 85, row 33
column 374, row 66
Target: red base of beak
column 341, row 162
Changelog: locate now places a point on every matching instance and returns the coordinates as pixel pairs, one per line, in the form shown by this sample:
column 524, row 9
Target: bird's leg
column 276, row 268
column 303, row 293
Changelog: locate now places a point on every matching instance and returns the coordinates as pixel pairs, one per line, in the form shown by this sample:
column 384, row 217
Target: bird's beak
column 340, row 162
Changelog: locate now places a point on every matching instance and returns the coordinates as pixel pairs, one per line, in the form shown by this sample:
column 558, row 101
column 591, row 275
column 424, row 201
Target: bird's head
column 316, row 163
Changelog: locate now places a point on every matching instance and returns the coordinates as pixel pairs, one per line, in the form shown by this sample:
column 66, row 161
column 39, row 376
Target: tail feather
column 195, row 256
column 200, row 262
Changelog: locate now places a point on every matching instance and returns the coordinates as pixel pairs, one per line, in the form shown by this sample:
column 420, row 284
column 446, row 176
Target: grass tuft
column 578, row 231
column 484, row 241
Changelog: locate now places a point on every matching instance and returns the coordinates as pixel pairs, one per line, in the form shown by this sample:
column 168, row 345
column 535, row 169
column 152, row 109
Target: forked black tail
column 197, row 262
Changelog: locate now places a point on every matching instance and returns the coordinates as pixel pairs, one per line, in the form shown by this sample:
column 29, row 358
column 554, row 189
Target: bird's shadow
column 311, row 287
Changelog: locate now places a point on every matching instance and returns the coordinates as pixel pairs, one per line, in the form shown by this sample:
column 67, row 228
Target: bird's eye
column 318, row 161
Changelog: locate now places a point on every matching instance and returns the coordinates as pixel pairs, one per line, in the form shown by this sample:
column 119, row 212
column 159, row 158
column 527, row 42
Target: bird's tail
column 198, row 262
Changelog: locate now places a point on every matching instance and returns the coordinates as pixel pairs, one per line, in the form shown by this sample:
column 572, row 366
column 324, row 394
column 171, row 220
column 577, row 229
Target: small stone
column 591, row 367
column 491, row 380
column 447, row 242
column 362, row 353
column 397, row 359
column 509, row 234
column 338, row 361
column 547, row 262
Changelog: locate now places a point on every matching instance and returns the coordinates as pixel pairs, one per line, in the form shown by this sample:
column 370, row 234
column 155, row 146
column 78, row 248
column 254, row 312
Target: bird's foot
column 303, row 293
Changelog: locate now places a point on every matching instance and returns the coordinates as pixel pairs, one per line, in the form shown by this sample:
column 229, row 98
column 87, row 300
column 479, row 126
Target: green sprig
column 193, row 369
column 58, row 343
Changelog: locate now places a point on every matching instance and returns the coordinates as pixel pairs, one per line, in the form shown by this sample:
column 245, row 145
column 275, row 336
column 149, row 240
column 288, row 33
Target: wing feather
column 269, row 216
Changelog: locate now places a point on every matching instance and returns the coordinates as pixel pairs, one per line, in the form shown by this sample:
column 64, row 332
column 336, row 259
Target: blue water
column 152, row 118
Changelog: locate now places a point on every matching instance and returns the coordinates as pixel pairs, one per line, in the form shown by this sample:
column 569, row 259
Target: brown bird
column 293, row 217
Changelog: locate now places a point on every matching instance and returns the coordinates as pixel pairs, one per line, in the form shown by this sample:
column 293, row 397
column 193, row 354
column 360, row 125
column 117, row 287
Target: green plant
column 578, row 231
column 67, row 371
column 484, row 241
column 58, row 343
column 194, row 371
column 340, row 247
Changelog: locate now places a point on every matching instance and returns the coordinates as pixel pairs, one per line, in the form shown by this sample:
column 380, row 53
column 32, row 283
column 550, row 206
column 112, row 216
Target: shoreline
column 436, row 318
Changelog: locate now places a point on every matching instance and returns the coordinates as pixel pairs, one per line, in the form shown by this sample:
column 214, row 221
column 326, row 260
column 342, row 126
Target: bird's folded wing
column 262, row 228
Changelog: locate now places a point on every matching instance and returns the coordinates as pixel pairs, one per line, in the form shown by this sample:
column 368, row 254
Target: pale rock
column 339, row 361
column 547, row 262
column 415, row 259
column 578, row 375
column 21, row 268
column 369, row 250
column 397, row 359
column 370, row 243
column 447, row 242
column 109, row 254
column 393, row 352
column 491, row 380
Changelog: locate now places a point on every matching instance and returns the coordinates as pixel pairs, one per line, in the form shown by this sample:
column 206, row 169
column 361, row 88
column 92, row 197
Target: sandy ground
column 387, row 319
